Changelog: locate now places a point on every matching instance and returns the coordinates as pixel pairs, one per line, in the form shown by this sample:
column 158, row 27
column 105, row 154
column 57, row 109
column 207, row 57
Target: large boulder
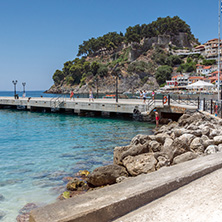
column 182, row 144
column 197, row 145
column 117, row 153
column 186, row 138
column 217, row 140
column 140, row 139
column 106, row 175
column 184, row 157
column 143, row 163
column 211, row 149
column 161, row 137
column 155, row 146
column 167, row 148
column 207, row 143
column 132, row 150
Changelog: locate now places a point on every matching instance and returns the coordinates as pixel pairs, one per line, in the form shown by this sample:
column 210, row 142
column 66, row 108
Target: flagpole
column 218, row 82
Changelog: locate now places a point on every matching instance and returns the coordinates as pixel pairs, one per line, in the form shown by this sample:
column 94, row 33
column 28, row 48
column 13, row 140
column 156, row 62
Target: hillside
column 144, row 56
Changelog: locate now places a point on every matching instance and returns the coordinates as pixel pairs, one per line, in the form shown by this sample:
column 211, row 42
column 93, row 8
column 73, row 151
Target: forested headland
column 144, row 55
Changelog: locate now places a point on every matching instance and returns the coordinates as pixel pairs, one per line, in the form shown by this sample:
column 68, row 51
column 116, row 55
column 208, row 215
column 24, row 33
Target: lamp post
column 115, row 73
column 97, row 89
column 15, row 82
column 118, row 76
column 23, row 88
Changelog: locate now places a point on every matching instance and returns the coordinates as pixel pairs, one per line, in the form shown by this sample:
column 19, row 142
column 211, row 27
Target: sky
column 38, row 36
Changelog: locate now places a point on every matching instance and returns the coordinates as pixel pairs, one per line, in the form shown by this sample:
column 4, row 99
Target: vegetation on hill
column 110, row 41
column 143, row 62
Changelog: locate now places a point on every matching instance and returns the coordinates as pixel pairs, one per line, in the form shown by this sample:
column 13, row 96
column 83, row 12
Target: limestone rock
column 213, row 133
column 140, row 139
column 106, row 175
column 204, row 138
column 217, row 140
column 197, row 145
column 207, row 143
column 162, row 161
column 205, row 130
column 117, row 154
column 161, row 137
column 143, row 163
column 211, row 149
column 186, row 138
column 167, row 148
column 179, row 131
column 131, row 151
column 155, row 146
column 184, row 157
column 219, row 148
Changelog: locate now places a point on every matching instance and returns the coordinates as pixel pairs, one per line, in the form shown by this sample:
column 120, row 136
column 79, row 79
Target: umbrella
column 200, row 84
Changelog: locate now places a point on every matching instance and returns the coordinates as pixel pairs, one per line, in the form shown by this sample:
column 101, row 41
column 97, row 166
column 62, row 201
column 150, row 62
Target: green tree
column 58, row 76
column 163, row 73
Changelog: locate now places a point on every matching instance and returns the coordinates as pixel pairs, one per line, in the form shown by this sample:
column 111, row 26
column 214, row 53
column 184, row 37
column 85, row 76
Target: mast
column 218, row 82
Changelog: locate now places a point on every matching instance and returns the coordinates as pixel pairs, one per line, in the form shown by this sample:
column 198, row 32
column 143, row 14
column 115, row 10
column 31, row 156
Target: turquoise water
column 38, row 149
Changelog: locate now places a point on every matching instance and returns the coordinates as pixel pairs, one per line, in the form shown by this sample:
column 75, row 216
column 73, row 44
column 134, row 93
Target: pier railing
column 208, row 105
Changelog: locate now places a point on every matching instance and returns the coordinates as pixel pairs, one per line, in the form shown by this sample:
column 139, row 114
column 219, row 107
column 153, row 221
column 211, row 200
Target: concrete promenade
column 198, row 201
column 112, row 202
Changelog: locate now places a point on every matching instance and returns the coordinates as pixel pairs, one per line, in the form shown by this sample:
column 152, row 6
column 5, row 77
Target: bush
column 163, row 73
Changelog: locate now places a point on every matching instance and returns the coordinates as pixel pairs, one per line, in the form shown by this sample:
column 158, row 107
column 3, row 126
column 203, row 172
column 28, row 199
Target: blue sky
column 39, row 36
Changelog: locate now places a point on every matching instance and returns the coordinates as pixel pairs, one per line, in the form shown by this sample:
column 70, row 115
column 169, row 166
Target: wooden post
column 211, row 106
column 168, row 100
column 198, row 102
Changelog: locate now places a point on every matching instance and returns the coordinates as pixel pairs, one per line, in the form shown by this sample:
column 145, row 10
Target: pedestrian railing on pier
column 56, row 102
column 208, row 105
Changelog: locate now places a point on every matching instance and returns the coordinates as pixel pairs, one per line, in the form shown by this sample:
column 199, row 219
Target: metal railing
column 56, row 102
column 208, row 105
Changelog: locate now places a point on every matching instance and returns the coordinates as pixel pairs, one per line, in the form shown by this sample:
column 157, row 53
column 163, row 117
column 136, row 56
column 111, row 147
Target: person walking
column 153, row 95
column 144, row 96
column 91, row 95
column 157, row 117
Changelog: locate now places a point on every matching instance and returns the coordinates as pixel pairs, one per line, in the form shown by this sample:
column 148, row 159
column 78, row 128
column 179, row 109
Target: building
column 204, row 70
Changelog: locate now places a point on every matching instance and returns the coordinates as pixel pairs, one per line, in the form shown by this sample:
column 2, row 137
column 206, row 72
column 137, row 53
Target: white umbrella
column 200, row 84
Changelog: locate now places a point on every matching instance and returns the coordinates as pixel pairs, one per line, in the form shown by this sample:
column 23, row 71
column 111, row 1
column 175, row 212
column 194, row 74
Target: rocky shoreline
column 194, row 135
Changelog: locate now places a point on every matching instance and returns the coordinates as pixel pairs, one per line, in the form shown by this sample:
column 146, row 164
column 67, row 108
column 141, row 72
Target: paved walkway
column 199, row 201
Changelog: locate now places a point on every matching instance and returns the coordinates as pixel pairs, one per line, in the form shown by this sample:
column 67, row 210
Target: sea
column 37, row 150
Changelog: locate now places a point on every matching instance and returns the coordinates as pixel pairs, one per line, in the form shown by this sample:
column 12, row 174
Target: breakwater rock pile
column 194, row 135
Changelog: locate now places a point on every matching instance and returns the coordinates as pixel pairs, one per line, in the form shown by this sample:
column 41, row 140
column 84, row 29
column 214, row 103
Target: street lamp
column 23, row 88
column 117, row 75
column 97, row 90
column 15, row 82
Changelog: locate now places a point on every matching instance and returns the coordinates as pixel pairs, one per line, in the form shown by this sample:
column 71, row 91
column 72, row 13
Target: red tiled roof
column 196, row 77
column 207, row 67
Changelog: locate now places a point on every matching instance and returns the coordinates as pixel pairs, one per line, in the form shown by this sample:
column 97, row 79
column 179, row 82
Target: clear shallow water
column 38, row 149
